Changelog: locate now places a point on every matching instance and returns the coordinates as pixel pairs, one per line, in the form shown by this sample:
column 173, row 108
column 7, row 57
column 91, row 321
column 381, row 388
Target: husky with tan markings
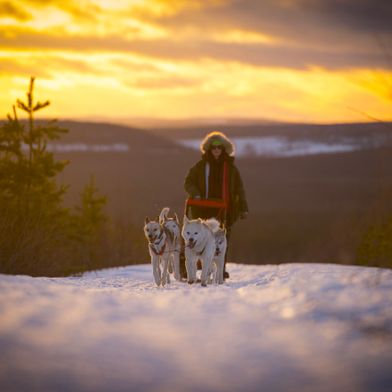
column 163, row 240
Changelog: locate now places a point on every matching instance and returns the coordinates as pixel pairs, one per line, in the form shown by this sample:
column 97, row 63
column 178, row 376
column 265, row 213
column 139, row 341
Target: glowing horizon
column 189, row 59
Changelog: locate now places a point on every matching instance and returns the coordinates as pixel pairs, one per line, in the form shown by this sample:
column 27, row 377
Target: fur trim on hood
column 218, row 136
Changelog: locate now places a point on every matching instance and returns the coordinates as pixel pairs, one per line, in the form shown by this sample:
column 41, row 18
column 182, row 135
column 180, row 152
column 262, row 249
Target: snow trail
column 307, row 327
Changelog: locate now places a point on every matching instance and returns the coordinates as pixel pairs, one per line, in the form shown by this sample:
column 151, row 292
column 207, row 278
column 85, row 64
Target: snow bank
column 293, row 327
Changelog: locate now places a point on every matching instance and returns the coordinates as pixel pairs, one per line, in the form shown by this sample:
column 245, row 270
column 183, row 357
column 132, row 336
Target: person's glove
column 243, row 215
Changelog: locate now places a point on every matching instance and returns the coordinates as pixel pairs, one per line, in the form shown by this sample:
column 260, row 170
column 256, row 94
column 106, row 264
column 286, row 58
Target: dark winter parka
column 195, row 181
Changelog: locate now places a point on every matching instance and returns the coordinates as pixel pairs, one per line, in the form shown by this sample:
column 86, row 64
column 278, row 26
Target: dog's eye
column 188, row 232
column 196, row 233
column 155, row 229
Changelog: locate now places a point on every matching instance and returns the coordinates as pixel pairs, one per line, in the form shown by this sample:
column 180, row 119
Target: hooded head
column 217, row 138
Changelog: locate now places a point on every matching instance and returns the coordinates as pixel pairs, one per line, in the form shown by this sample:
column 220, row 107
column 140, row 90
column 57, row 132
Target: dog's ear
column 163, row 219
column 176, row 218
column 200, row 220
column 146, row 220
column 185, row 220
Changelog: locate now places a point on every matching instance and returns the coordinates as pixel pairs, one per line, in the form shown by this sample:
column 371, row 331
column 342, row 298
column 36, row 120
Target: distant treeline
column 320, row 209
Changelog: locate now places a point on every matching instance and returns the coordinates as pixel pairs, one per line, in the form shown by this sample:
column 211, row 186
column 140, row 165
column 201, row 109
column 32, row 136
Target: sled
column 220, row 204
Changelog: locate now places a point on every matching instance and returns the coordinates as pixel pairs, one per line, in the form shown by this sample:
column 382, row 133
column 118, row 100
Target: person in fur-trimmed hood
column 211, row 176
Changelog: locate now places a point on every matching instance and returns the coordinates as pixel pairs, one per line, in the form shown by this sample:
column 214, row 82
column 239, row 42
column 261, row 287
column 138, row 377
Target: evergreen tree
column 37, row 234
column 89, row 223
column 31, row 201
column 42, row 169
column 375, row 248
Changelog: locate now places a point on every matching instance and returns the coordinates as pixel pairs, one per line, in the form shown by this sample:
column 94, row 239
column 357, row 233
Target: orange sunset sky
column 291, row 60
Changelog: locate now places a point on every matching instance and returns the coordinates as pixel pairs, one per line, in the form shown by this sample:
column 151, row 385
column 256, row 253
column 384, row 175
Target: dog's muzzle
column 191, row 243
column 152, row 238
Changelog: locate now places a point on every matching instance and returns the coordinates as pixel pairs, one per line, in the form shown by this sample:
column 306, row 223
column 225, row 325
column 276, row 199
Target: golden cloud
column 12, row 11
column 184, row 58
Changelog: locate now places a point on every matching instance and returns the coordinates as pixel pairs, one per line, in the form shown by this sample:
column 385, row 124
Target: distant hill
column 311, row 131
column 148, row 122
column 309, row 208
column 138, row 181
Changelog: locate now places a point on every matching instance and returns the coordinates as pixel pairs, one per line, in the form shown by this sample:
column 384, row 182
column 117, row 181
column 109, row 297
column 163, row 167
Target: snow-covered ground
column 84, row 147
column 256, row 146
column 292, row 327
column 282, row 146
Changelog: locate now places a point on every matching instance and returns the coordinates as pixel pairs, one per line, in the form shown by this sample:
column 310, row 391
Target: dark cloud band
column 332, row 34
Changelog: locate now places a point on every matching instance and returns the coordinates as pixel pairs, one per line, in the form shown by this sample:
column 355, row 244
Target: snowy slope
column 292, row 327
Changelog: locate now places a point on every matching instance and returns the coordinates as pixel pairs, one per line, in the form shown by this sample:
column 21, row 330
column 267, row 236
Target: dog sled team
column 216, row 200
column 204, row 240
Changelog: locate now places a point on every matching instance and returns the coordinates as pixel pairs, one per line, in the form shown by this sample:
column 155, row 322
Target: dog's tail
column 163, row 214
column 212, row 224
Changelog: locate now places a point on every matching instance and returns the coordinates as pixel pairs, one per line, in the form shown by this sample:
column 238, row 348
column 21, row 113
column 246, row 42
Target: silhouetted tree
column 376, row 246
column 37, row 234
column 89, row 223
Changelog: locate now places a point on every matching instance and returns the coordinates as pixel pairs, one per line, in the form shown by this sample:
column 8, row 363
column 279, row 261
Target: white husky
column 199, row 245
column 219, row 256
column 162, row 245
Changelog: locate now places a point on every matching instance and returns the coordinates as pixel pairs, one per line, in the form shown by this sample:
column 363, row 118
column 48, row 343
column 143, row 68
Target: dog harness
column 154, row 245
column 201, row 252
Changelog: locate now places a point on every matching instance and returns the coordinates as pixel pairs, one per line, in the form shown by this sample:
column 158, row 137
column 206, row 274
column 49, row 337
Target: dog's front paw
column 204, row 284
column 190, row 282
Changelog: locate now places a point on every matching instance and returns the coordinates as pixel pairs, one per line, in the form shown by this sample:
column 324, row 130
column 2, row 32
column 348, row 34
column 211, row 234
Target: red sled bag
column 220, row 204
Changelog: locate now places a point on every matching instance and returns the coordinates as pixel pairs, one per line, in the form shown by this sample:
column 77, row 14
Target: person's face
column 216, row 151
